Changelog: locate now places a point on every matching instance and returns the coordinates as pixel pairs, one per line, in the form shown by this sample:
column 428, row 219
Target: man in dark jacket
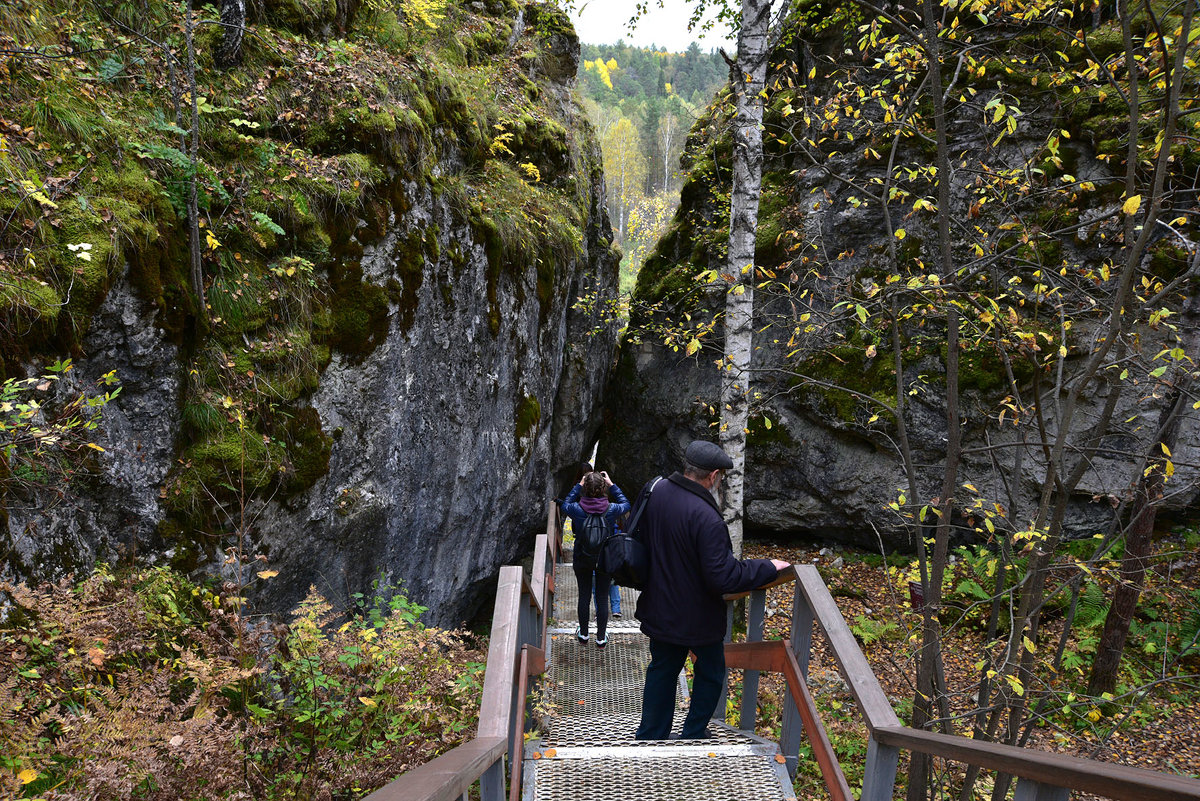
column 691, row 565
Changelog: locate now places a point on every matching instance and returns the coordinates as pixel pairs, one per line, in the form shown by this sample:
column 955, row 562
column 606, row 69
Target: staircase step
column 656, row 774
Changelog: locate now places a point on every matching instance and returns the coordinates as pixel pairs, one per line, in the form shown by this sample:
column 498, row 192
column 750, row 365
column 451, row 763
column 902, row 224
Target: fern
column 1092, row 607
column 1189, row 635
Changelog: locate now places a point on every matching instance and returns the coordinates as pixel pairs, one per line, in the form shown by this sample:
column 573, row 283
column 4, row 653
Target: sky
column 604, row 22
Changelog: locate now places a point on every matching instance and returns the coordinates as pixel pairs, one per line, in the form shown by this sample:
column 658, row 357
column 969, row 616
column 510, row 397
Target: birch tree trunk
column 233, row 28
column 196, row 268
column 749, row 76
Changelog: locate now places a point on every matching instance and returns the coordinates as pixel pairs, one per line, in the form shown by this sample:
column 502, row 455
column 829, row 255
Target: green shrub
column 146, row 685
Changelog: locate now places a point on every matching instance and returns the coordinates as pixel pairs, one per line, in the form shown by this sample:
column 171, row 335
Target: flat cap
column 707, row 455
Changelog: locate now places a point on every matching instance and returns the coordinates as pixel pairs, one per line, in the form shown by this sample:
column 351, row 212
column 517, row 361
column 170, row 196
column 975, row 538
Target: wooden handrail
column 776, row 656
column 1059, row 770
column 495, row 707
column 502, row 707
column 447, row 777
column 875, row 707
column 1043, row 767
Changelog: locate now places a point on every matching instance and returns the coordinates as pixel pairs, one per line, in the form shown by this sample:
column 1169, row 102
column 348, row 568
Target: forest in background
column 643, row 102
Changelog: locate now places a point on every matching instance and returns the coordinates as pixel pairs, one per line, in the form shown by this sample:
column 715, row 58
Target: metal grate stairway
column 591, row 701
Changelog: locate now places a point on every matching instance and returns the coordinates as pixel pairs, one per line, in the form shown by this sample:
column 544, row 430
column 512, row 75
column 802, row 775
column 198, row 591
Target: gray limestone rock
column 114, row 511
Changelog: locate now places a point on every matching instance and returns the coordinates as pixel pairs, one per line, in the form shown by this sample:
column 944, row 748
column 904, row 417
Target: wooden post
column 1029, row 790
column 491, row 783
column 879, row 775
column 793, row 726
column 754, row 633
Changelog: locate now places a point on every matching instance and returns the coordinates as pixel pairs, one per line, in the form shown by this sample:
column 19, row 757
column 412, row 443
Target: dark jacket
column 573, row 509
column 691, row 565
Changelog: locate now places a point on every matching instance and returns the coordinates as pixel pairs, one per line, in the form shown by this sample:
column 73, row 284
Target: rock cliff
column 822, row 455
column 394, row 363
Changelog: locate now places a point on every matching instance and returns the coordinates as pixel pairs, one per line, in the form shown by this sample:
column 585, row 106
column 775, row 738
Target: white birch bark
column 750, row 75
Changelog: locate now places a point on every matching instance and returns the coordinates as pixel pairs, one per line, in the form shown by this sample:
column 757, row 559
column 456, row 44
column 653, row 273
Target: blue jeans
column 658, row 696
column 614, row 598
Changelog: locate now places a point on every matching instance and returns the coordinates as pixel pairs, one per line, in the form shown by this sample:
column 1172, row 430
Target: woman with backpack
column 593, row 518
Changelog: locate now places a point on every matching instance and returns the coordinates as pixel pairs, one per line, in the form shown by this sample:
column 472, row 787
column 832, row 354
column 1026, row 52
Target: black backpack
column 623, row 556
column 595, row 530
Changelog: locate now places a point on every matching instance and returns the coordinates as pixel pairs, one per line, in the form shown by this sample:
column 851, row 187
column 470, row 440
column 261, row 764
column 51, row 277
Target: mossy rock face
column 309, row 447
column 317, row 18
column 359, row 314
column 558, row 58
column 543, row 143
column 1168, row 260
column 527, row 416
column 762, row 436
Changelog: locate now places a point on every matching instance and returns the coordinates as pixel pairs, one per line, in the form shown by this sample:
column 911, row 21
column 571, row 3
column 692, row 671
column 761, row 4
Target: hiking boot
column 579, row 635
column 617, row 615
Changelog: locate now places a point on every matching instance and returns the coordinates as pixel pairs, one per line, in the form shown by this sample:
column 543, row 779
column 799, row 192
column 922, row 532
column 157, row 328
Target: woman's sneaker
column 579, row 635
column 617, row 615
column 600, row 643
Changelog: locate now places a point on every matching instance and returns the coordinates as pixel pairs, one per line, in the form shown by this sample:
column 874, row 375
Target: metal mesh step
column 610, row 731
column 677, row 777
column 566, row 595
column 586, row 680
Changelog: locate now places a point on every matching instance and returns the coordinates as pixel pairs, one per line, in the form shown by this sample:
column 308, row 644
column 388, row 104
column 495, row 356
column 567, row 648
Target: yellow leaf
column 1029, row 646
column 900, row 234
column 693, row 346
column 267, row 574
column 27, row 775
column 367, row 701
column 1165, row 449
column 1132, row 205
column 95, row 447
